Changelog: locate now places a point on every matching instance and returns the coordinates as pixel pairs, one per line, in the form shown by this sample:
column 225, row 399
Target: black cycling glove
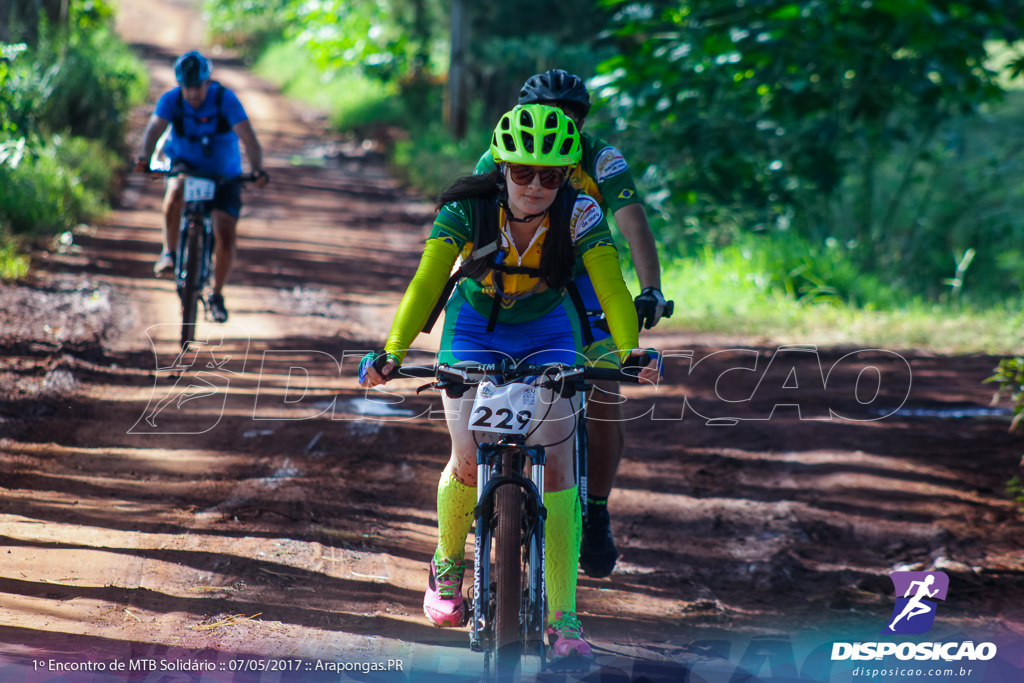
column 650, row 307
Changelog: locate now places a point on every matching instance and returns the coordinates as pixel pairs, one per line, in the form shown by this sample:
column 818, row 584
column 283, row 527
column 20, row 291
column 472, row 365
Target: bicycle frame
column 193, row 261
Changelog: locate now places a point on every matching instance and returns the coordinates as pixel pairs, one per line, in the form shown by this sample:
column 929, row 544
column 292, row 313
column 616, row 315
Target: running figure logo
column 914, row 612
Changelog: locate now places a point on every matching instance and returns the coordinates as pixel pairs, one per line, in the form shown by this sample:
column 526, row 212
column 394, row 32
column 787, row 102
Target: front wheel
column 189, row 276
column 508, row 573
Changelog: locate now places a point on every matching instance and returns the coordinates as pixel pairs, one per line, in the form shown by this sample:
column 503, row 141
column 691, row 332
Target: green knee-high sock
column 562, row 549
column 455, row 503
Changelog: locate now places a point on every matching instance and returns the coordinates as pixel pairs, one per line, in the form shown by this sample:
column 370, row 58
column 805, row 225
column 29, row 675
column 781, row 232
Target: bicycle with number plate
column 194, row 253
column 509, row 596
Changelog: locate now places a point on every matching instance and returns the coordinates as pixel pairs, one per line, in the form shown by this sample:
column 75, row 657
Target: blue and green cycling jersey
column 523, row 298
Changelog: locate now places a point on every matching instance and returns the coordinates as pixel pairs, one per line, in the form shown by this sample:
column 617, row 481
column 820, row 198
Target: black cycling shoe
column 597, row 551
column 215, row 302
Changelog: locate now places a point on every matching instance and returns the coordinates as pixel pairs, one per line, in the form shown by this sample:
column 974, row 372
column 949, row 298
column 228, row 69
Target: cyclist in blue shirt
column 206, row 123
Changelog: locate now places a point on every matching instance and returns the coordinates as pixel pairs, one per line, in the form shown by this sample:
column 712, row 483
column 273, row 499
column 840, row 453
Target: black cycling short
column 228, row 197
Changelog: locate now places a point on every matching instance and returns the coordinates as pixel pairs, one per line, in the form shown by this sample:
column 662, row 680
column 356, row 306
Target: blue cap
column 192, row 69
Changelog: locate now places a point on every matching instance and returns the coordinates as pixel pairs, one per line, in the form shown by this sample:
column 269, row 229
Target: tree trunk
column 455, row 106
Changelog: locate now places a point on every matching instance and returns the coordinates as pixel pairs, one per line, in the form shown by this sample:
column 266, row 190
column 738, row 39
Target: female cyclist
column 514, row 306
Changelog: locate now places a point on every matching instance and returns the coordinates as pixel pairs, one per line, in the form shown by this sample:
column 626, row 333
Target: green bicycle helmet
column 537, row 135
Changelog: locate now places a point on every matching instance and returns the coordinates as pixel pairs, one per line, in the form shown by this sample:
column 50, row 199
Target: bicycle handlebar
column 557, row 373
column 244, row 178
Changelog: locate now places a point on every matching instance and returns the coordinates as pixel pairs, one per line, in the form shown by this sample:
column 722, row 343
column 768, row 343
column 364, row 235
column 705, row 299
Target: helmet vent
column 566, row 146
column 551, row 121
column 528, row 144
column 549, row 143
column 525, row 119
column 507, row 141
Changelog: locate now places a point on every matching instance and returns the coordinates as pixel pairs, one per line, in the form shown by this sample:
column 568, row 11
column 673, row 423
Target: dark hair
column 558, row 254
column 477, row 185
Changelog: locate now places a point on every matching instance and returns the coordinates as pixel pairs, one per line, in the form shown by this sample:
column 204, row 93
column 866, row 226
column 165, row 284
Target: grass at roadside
column 352, row 101
column 716, row 294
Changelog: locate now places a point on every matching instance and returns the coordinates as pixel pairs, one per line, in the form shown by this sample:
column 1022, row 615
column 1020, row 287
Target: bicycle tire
column 508, row 571
column 189, row 292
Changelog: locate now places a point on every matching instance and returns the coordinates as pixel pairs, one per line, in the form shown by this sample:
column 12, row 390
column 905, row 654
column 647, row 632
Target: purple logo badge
column 916, row 592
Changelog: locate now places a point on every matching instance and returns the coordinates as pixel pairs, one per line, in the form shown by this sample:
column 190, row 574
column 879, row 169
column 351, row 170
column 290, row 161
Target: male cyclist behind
column 207, row 121
column 604, row 175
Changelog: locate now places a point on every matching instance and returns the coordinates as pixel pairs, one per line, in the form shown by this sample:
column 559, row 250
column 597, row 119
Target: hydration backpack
column 486, row 257
column 178, row 120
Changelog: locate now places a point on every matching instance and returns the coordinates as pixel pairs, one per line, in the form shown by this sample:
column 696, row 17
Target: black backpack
column 486, row 254
column 178, row 120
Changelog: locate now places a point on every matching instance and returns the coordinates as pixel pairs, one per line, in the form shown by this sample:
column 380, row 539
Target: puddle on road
column 951, row 413
column 373, row 408
column 370, row 408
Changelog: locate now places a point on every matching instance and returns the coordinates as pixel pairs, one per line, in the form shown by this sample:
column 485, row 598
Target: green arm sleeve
column 421, row 295
column 602, row 263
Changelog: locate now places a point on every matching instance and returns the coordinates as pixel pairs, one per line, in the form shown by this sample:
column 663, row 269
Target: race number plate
column 199, row 189
column 505, row 409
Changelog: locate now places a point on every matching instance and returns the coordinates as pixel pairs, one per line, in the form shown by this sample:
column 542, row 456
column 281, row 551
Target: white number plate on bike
column 505, row 409
column 199, row 189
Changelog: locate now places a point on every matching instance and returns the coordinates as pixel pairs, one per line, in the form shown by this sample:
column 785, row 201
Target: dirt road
column 186, row 518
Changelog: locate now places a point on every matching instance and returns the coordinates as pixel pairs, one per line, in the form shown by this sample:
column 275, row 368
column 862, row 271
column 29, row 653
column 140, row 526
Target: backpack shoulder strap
column 485, row 236
column 223, row 125
column 178, row 119
column 485, row 243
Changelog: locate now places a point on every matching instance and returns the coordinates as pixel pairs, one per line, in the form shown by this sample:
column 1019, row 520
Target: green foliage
column 64, row 97
column 512, row 41
column 353, row 100
column 1009, row 380
column 1015, row 490
column 503, row 63
column 946, row 221
column 84, row 83
column 430, row 158
column 386, row 39
column 248, row 25
column 56, row 186
column 13, row 262
column 811, row 116
column 762, row 97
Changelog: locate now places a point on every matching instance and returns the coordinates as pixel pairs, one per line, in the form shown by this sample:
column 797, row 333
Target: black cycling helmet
column 192, row 69
column 559, row 87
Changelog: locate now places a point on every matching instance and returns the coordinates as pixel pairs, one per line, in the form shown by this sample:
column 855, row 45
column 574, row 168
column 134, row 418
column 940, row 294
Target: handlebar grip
column 416, row 371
